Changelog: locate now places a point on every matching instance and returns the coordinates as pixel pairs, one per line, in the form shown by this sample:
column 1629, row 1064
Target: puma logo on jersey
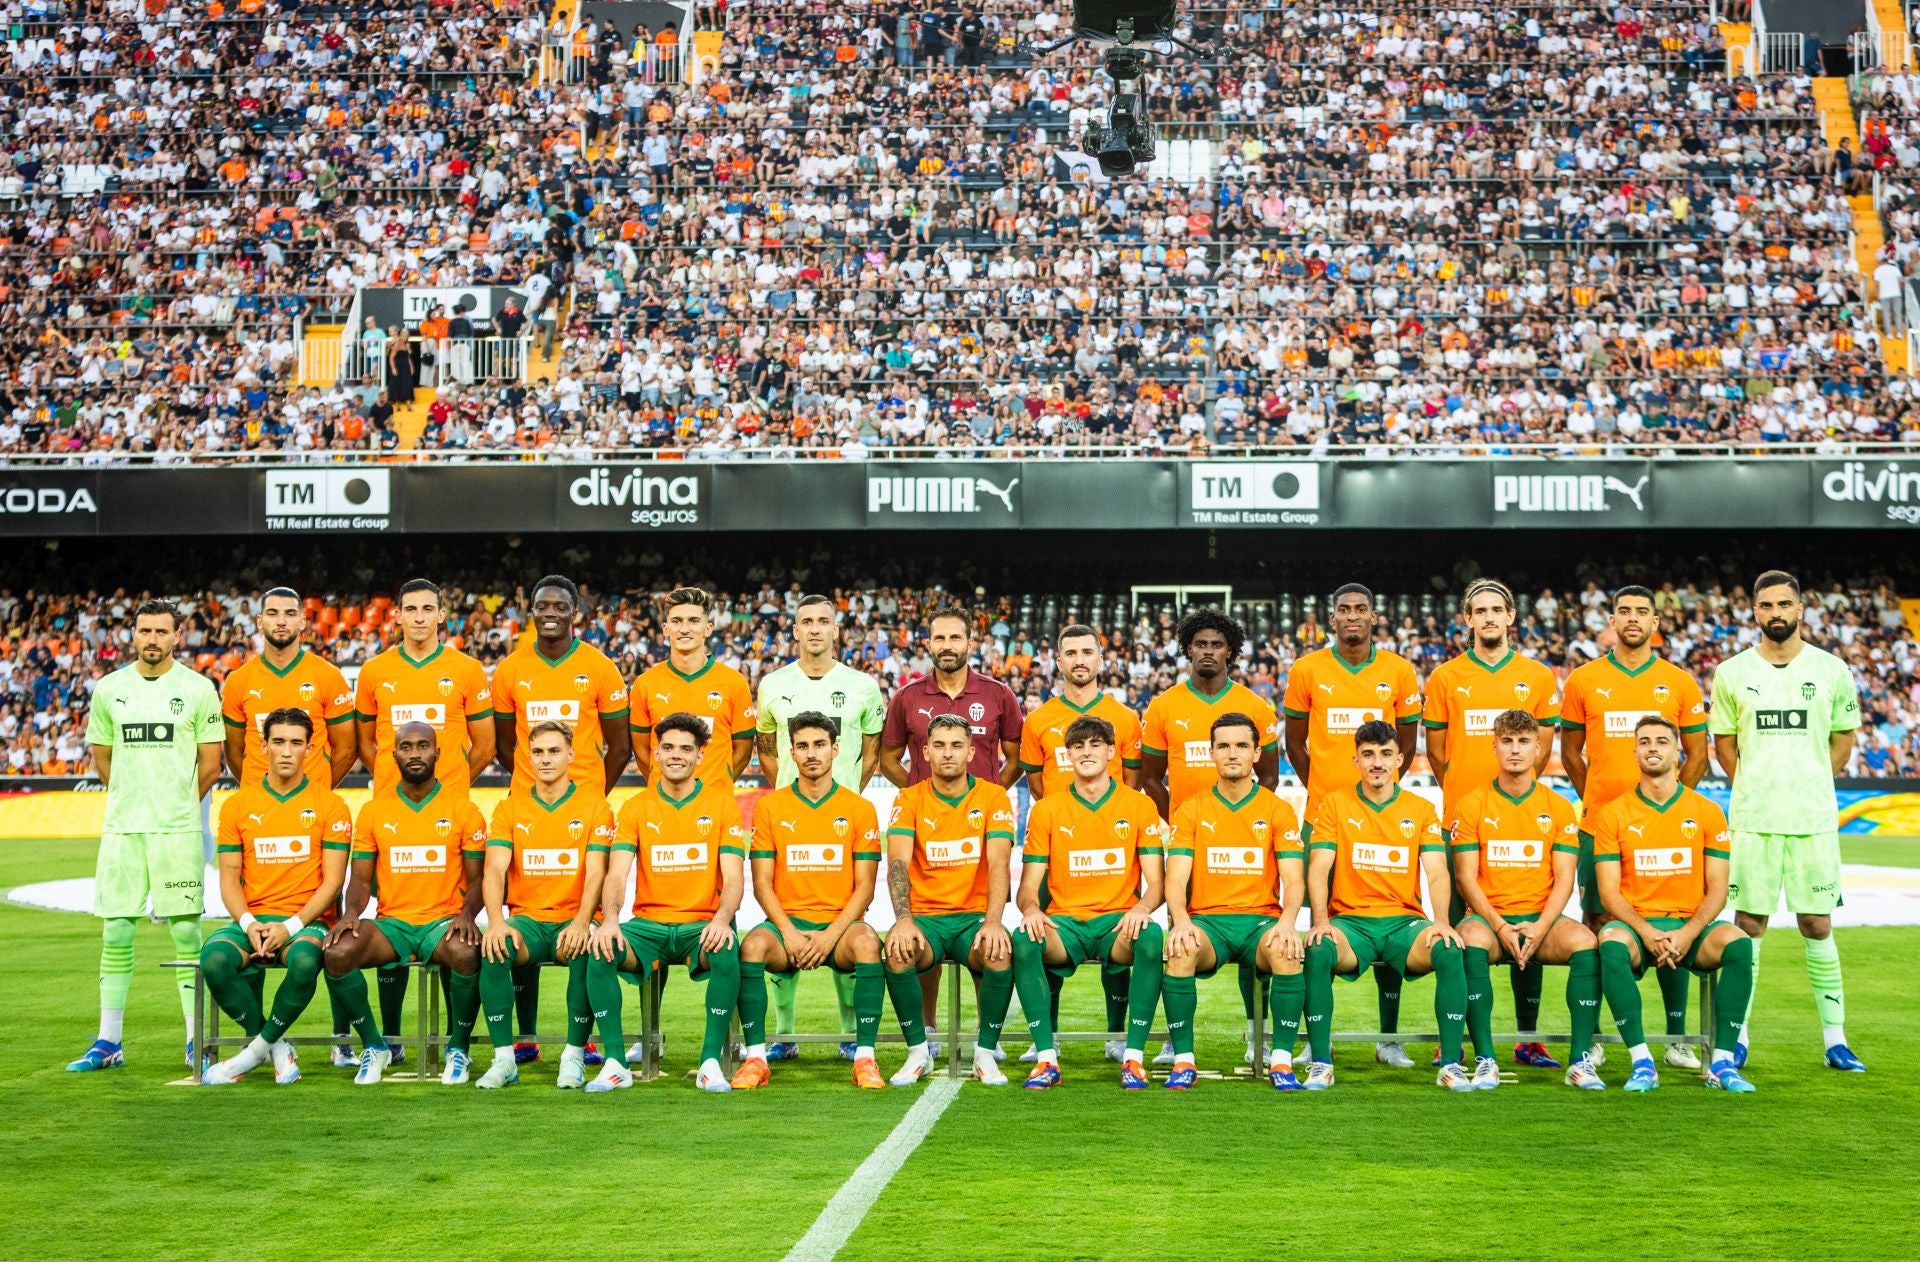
column 662, row 697
column 389, row 685
column 1465, row 690
column 1489, row 821
column 1638, row 830
column 1603, row 692
column 653, row 825
column 1327, row 688
column 924, row 712
column 392, row 828
column 523, row 828
column 257, row 818
column 789, row 826
column 253, row 692
column 1180, row 723
column 1208, row 825
column 929, row 823
column 1063, row 830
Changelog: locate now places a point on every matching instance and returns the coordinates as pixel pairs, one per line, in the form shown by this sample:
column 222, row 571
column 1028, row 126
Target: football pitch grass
column 117, row 1165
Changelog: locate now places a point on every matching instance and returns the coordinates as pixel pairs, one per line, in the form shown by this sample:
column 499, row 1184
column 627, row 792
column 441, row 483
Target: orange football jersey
column 1516, row 839
column 1092, row 849
column 417, row 849
column 1336, row 699
column 549, row 844
column 309, row 683
column 1662, row 849
column 717, row 694
column 1464, row 696
column 1043, row 739
column 1604, row 699
column 948, row 871
column 579, row 688
column 280, row 840
column 1236, row 851
column 677, row 844
column 446, row 690
column 1377, row 849
column 1179, row 724
column 814, row 846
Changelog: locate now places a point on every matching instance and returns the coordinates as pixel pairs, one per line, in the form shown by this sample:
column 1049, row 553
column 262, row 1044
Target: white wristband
column 293, row 925
column 246, row 920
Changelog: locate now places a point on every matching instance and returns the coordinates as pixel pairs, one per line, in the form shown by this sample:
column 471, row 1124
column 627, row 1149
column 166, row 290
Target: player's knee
column 1577, row 937
column 1476, row 934
column 1737, row 949
column 1446, row 957
column 117, row 932
column 754, row 947
column 1815, row 927
column 1152, row 941
column 218, row 961
column 864, row 943
column 1321, row 957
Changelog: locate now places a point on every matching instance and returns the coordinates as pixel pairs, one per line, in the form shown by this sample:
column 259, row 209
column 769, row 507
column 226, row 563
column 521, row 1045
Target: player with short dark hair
column 1370, row 846
column 155, row 731
column 1331, row 692
column 1236, row 878
column 1784, row 719
column 693, row 681
column 1599, row 705
column 1660, row 856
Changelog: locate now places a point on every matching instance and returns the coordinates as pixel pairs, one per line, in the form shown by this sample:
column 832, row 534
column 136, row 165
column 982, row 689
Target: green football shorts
column 1235, row 937
column 234, row 936
column 671, row 944
column 811, row 926
column 1661, row 922
column 133, row 868
column 1806, row 868
column 951, row 934
column 411, row 941
column 1089, row 939
column 541, row 936
column 1380, row 940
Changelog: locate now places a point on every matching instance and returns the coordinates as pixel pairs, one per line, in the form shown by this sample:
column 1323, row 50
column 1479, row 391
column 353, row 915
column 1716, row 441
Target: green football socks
column 753, row 1003
column 497, row 993
column 903, row 987
column 463, row 1002
column 1734, row 987
column 1143, row 984
column 1623, row 991
column 1673, row 997
column 1527, row 985
column 604, row 1000
column 1286, row 995
column 1479, row 975
column 1321, row 957
column 351, row 992
column 302, row 977
column 1183, row 1001
column 722, row 997
column 1030, row 980
column 579, row 1004
column 1823, row 971
column 1450, row 999
column 1583, row 1001
column 996, row 996
column 116, row 975
column 221, row 964
column 1388, row 983
column 869, row 996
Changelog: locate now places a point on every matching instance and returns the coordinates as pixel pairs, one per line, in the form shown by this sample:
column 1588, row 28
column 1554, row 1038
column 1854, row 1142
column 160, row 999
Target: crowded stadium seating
column 859, row 231
column 58, row 643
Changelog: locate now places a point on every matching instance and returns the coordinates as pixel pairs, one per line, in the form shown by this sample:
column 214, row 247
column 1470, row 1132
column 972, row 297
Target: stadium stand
column 862, row 228
column 57, row 644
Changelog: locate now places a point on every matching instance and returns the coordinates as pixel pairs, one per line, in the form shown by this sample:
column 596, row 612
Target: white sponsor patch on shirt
column 1620, row 723
column 416, row 858
column 1111, row 861
column 1523, row 853
column 1345, row 720
column 1235, row 860
column 689, row 856
column 433, row 714
column 557, row 862
column 947, row 854
column 1480, row 722
column 1660, row 862
column 567, row 712
column 1195, row 753
column 1372, row 856
column 816, row 858
column 281, row 849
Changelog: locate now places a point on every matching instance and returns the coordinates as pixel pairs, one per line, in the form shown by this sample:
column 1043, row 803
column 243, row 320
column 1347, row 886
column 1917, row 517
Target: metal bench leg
column 430, row 1021
column 1260, row 1025
column 650, row 997
column 955, row 974
column 1708, row 1018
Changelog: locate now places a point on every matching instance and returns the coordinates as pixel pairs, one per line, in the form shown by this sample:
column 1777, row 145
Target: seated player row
column 1096, row 863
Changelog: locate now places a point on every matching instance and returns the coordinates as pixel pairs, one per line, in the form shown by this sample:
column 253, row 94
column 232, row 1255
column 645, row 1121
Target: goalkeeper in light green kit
column 1783, row 721
column 156, row 734
column 817, row 681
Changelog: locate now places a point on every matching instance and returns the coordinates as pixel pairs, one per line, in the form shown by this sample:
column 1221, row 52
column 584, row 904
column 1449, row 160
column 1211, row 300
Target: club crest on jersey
column 703, row 826
column 581, row 683
column 1661, row 692
column 306, row 691
column 1122, row 828
column 178, row 706
column 1521, row 691
column 1384, row 691
column 443, row 827
column 1260, row 828
column 445, row 685
column 576, row 828
column 838, row 698
column 976, row 817
column 1544, row 822
column 976, row 712
column 308, row 816
column 714, row 699
column 1689, row 828
column 1407, row 829
column 1807, row 690
column 842, row 826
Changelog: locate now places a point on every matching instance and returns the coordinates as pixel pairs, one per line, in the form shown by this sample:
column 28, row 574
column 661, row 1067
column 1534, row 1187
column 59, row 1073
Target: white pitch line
column 863, row 1187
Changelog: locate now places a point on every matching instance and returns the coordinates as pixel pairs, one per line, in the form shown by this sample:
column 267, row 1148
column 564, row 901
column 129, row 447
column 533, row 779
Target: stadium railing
column 428, row 1040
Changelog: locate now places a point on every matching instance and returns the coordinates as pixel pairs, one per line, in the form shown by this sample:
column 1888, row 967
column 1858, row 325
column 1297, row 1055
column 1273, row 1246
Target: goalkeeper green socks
column 185, row 932
column 903, row 987
column 1183, row 1001
column 116, row 976
column 1829, row 999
